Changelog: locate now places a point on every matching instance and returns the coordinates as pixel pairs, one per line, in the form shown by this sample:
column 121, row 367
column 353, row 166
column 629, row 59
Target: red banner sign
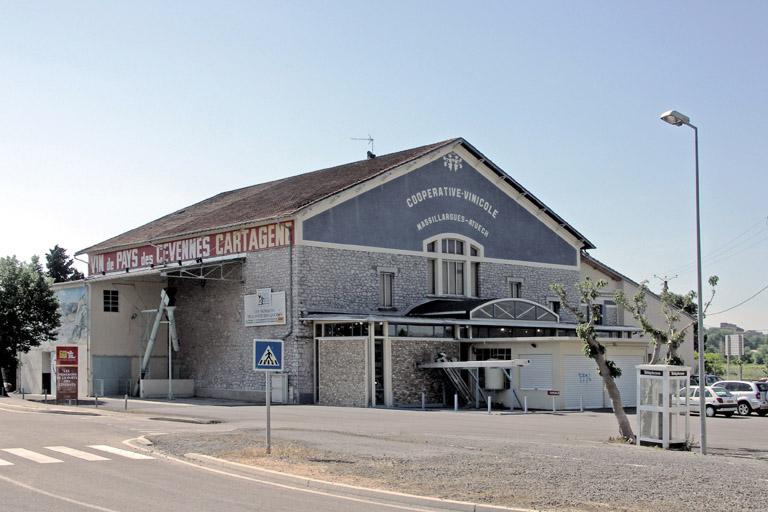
column 190, row 249
column 66, row 373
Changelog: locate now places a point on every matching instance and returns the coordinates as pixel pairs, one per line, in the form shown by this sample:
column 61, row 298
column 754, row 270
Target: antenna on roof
column 665, row 280
column 369, row 139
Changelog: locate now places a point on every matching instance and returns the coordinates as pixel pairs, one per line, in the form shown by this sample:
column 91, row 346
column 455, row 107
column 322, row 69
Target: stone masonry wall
column 342, row 372
column 336, row 280
column 536, row 280
column 408, row 381
column 217, row 347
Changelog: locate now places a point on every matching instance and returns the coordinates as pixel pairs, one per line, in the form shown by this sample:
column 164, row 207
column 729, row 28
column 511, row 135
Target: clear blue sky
column 113, row 114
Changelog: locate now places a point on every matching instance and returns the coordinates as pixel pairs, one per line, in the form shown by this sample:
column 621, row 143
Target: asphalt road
column 86, row 470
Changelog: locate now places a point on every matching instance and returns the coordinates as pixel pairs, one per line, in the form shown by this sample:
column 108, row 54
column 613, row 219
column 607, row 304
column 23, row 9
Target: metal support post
column 553, row 405
column 268, row 377
column 525, row 404
column 455, row 401
column 488, row 399
column 96, row 400
column 581, row 403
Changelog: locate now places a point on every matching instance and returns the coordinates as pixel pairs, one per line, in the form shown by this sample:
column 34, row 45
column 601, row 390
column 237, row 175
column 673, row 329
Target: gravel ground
column 585, row 476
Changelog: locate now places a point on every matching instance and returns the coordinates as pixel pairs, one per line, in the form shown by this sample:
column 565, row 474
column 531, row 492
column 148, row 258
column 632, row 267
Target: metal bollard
column 22, row 394
column 96, row 400
column 45, row 396
column 581, row 403
column 455, row 401
column 125, row 407
column 525, row 405
column 553, row 405
column 488, row 399
column 423, row 401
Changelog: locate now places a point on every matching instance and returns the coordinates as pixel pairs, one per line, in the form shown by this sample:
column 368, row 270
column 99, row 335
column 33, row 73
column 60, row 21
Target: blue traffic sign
column 268, row 355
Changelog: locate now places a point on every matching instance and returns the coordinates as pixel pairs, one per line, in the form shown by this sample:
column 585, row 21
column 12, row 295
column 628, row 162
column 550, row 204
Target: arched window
column 453, row 266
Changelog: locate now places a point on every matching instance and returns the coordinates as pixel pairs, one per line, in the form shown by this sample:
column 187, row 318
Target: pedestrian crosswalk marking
column 30, row 455
column 76, row 453
column 5, row 463
column 118, row 451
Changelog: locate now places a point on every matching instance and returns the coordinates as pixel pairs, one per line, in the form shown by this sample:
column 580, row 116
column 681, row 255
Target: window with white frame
column 386, row 289
column 515, row 288
column 453, row 267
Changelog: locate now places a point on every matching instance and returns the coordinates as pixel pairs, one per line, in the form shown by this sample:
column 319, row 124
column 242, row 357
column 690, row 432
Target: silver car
column 717, row 400
column 748, row 394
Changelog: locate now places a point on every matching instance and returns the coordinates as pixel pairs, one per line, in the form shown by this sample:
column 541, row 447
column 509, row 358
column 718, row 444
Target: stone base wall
column 342, row 375
column 408, row 381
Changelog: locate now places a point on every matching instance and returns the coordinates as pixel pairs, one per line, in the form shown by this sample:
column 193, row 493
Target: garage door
column 538, row 374
column 581, row 382
column 627, row 383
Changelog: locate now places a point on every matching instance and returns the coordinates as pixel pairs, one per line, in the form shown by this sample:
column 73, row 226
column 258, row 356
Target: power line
column 742, row 302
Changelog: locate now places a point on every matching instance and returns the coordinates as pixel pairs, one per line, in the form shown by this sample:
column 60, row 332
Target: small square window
column 110, row 301
column 515, row 289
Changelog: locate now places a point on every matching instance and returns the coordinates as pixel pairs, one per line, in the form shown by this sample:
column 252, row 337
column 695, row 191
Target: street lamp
column 675, row 118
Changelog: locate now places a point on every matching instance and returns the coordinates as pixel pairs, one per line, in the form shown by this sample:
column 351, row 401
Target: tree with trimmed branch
column 589, row 291
column 671, row 335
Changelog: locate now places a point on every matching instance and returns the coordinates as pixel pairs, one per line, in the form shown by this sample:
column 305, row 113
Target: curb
column 396, row 499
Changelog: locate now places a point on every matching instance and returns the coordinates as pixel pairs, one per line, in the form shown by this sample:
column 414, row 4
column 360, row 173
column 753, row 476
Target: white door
column 627, row 383
column 581, row 382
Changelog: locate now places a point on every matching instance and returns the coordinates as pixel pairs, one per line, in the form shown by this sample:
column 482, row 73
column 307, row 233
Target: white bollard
column 525, row 405
column 581, row 403
column 455, row 401
column 125, row 407
column 553, row 405
column 423, row 401
column 488, row 399
column 45, row 399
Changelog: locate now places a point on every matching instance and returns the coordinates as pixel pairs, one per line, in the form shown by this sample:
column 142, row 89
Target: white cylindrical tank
column 494, row 378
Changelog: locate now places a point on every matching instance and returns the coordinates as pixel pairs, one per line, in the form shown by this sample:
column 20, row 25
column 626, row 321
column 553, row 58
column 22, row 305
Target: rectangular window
column 431, row 276
column 515, row 289
column 474, row 279
column 110, row 301
column 386, row 288
column 554, row 305
column 453, row 277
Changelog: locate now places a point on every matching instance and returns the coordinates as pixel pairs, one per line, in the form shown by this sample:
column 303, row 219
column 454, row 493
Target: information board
column 66, row 372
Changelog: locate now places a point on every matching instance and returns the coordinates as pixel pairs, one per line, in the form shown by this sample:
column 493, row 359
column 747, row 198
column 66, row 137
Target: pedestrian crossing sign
column 268, row 355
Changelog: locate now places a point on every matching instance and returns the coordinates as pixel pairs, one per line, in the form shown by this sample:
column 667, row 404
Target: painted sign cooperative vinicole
column 212, row 245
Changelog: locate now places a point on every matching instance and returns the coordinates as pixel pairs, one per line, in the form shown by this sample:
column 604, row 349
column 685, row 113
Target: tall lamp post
column 677, row 119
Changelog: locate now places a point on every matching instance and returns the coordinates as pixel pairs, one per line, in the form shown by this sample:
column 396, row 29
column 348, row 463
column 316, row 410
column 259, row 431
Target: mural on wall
column 73, row 309
column 447, row 195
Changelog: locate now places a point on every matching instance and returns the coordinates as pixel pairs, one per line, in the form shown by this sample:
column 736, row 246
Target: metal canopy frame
column 230, row 270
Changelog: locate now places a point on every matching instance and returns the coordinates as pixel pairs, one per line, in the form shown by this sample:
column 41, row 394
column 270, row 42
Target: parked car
column 711, row 379
column 751, row 396
column 717, row 400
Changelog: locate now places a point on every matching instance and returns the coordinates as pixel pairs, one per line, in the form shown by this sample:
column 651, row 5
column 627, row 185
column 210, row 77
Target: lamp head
column 676, row 118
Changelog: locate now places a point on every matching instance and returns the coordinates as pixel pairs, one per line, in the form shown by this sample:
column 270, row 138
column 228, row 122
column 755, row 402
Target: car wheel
column 710, row 411
column 728, row 414
column 744, row 409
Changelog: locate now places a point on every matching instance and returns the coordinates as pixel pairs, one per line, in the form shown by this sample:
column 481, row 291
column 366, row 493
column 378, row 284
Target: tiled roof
column 265, row 201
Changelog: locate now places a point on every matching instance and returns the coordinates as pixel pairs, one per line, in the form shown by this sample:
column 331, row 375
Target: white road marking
column 76, row 453
column 5, row 463
column 55, row 496
column 118, row 451
column 30, row 455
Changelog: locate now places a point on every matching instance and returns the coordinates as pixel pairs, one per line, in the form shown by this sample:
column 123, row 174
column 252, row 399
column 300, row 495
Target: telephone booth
column 662, row 404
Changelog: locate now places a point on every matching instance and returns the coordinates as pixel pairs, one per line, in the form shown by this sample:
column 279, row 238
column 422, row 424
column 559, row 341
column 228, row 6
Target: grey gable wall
column 444, row 196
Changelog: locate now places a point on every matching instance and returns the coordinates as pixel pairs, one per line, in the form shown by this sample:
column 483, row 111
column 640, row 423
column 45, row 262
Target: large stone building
column 364, row 270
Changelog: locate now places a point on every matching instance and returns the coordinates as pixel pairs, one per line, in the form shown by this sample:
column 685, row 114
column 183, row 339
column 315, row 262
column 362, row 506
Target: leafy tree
column 670, row 335
column 28, row 311
column 714, row 363
column 60, row 265
column 585, row 329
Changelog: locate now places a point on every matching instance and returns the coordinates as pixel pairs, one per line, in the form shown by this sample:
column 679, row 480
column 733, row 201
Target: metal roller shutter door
column 581, row 381
column 538, row 374
column 627, row 383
